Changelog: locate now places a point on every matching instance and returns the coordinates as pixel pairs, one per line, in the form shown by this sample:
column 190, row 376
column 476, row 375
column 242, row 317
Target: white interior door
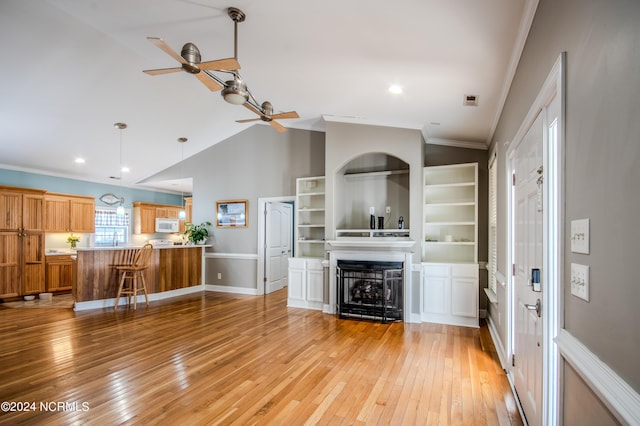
column 527, row 222
column 278, row 245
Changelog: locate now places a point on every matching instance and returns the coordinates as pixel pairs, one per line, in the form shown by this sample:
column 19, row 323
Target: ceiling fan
column 190, row 59
column 234, row 91
column 266, row 114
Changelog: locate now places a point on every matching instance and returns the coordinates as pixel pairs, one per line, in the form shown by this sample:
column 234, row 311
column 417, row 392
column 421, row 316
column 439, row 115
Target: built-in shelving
column 372, row 233
column 450, row 210
column 310, row 211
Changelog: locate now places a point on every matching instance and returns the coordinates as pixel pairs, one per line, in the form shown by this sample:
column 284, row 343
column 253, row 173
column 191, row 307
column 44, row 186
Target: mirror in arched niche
column 373, row 181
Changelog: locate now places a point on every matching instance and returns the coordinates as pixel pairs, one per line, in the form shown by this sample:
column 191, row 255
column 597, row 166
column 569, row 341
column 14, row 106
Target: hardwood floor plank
column 215, row 358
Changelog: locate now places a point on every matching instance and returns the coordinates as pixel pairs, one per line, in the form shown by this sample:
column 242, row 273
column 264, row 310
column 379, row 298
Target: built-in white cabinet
column 310, row 210
column 450, row 293
column 450, row 214
column 306, row 283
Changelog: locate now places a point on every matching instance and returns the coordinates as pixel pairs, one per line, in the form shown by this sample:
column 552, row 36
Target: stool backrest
column 142, row 256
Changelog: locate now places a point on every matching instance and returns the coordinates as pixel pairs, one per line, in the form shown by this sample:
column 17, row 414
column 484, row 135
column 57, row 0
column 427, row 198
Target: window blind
column 493, row 223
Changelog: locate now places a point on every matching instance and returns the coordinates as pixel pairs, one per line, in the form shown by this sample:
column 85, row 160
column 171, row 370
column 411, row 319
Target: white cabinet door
column 297, row 280
column 315, row 285
column 435, row 294
column 464, row 301
column 450, row 293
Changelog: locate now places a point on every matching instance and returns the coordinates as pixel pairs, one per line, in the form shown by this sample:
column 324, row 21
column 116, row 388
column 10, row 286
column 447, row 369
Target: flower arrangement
column 73, row 240
column 196, row 233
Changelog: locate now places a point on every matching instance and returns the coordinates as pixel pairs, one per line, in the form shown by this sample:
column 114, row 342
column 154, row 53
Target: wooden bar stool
column 132, row 272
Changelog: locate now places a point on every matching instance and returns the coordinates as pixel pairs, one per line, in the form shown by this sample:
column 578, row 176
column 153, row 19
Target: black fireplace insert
column 370, row 290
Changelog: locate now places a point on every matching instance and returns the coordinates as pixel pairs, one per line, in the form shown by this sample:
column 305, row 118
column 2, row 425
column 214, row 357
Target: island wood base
column 169, row 269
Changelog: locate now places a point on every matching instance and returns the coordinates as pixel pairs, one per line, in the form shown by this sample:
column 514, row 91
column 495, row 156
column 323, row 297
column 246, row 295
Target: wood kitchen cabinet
column 69, row 213
column 145, row 214
column 60, row 272
column 188, row 208
column 144, row 218
column 22, row 241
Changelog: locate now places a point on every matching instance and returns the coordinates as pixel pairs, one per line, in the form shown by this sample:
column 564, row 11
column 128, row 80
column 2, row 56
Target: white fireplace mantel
column 364, row 243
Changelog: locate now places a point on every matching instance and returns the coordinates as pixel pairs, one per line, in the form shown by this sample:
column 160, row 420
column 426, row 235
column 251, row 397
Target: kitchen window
column 111, row 229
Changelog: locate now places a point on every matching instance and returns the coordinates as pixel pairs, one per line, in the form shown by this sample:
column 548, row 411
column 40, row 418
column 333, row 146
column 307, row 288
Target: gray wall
column 602, row 167
column 258, row 162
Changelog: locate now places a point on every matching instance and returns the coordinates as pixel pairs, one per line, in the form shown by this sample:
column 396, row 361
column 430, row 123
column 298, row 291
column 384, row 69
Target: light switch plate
column 580, row 281
column 580, row 236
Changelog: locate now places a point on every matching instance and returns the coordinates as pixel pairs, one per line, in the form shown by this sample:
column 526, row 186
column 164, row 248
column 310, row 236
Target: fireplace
column 370, row 290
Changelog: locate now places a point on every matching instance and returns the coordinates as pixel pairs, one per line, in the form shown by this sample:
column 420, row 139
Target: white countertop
column 59, row 252
column 137, row 246
column 68, row 251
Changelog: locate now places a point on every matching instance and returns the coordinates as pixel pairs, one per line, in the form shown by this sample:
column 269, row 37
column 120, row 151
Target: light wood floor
column 215, row 358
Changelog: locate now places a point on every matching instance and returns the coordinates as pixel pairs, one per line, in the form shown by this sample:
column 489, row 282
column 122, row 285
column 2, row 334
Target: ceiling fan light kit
column 233, row 91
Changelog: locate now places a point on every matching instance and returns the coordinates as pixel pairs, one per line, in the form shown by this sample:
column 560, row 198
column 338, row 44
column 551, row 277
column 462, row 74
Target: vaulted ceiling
column 72, row 68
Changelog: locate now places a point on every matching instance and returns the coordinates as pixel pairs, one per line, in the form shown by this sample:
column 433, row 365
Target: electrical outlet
column 387, row 209
column 580, row 281
column 219, row 275
column 372, row 210
column 580, row 236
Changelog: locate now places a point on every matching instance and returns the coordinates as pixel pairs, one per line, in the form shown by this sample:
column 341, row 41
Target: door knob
column 537, row 307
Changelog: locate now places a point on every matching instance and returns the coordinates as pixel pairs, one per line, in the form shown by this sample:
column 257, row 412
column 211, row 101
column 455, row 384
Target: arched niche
column 373, row 180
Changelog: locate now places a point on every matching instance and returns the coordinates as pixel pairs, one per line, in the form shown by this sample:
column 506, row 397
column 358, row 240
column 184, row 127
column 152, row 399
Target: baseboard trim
column 502, row 354
column 110, row 303
column 613, row 390
column 240, row 256
column 234, row 290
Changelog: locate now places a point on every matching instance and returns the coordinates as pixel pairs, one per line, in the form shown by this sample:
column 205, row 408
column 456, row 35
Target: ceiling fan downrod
column 236, row 16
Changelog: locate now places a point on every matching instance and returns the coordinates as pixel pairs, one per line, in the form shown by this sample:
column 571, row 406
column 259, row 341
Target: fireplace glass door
column 370, row 290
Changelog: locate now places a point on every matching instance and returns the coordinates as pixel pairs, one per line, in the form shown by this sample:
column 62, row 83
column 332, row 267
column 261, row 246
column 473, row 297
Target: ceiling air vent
column 470, row 100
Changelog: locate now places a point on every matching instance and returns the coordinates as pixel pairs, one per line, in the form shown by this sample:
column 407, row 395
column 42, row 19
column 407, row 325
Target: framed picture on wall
column 231, row 214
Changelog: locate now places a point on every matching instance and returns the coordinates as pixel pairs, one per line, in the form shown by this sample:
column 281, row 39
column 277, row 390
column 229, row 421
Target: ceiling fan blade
column 290, row 114
column 207, row 81
column 162, row 71
column 253, row 109
column 248, row 120
column 279, row 127
column 158, row 42
column 220, row 64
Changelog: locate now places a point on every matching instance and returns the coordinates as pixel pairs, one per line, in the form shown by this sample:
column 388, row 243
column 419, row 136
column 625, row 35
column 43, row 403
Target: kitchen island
column 172, row 271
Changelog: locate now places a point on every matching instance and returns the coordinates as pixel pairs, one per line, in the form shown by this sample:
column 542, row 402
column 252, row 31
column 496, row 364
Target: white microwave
column 167, row 225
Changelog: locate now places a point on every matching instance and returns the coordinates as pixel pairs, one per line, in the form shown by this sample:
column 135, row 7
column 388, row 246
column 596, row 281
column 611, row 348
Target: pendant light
column 182, row 215
column 121, row 127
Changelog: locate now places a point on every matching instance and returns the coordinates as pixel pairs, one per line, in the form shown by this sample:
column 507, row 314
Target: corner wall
column 258, row 162
column 602, row 167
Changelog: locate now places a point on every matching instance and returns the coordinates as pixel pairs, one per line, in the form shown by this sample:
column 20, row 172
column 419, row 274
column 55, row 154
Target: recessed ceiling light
column 125, row 169
column 395, row 89
column 79, row 160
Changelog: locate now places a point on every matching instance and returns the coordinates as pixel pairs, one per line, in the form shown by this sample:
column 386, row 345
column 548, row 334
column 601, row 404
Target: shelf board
column 450, row 223
column 311, row 225
column 315, row 209
column 310, row 241
column 452, row 243
column 451, row 204
column 309, row 194
column 376, row 174
column 449, row 185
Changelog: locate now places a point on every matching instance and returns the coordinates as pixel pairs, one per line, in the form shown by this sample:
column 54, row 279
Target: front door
column 527, row 220
column 278, row 245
